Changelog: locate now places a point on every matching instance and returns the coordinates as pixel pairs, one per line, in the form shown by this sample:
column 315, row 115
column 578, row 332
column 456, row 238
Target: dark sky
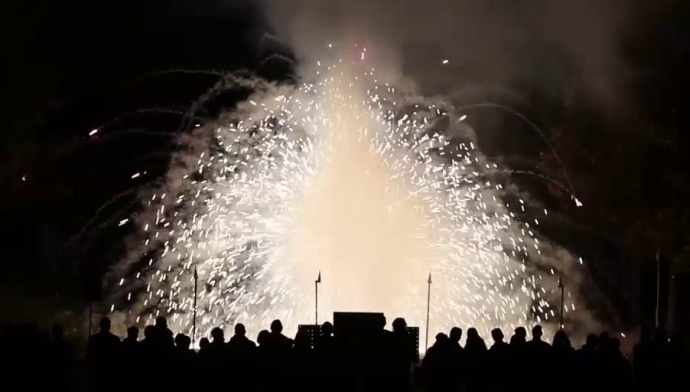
column 73, row 65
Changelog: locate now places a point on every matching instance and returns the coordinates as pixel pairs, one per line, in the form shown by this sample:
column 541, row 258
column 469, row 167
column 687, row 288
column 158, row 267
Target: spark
column 445, row 61
column 93, row 132
column 342, row 175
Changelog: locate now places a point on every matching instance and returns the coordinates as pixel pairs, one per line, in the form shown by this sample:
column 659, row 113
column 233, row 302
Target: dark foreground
column 380, row 361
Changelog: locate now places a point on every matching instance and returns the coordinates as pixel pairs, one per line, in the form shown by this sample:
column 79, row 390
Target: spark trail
column 344, row 175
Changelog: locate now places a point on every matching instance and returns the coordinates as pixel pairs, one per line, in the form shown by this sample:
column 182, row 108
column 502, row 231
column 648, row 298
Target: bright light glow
column 341, row 175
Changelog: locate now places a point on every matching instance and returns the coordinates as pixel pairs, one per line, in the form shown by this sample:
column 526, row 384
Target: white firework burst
column 342, row 176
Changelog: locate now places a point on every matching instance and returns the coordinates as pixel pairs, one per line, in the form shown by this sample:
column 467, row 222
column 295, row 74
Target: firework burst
column 342, row 175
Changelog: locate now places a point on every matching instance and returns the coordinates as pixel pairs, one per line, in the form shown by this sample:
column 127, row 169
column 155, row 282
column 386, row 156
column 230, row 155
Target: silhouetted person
column 329, row 358
column 263, row 339
column 538, row 352
column 499, row 360
column 615, row 372
column 218, row 351
column 204, row 350
column 277, row 341
column 404, row 356
column 499, row 347
column 563, row 357
column 148, row 345
column 204, row 345
column 457, row 353
column 588, row 363
column 151, row 356
column 131, row 346
column 164, row 335
column 183, row 352
column 217, row 342
column 302, row 363
column 438, row 366
column 475, row 355
column 518, row 344
column 242, row 356
column 267, row 362
column 102, row 353
column 519, row 336
column 239, row 345
column 375, row 365
column 539, row 349
column 185, row 358
column 326, row 345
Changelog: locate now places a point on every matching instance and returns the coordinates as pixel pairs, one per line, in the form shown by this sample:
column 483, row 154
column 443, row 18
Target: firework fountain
column 344, row 175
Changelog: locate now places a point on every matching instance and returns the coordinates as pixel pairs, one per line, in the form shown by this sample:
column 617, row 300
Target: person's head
column 521, row 332
column 537, row 332
column 204, row 343
column 604, row 337
column 133, row 333
column 217, row 334
column 441, row 338
column 399, row 325
column 240, row 330
column 382, row 322
column 263, row 337
column 149, row 331
column 161, row 322
column 561, row 340
column 497, row 335
column 592, row 340
column 327, row 329
column 182, row 341
column 472, row 334
column 104, row 324
column 455, row 334
column 276, row 326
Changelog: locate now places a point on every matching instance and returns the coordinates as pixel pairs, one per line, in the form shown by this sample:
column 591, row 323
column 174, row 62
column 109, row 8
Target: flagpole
column 196, row 282
column 90, row 317
column 316, row 299
column 658, row 290
column 428, row 308
column 562, row 287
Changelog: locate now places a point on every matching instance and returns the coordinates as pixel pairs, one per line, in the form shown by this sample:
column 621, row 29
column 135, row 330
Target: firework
column 342, row 174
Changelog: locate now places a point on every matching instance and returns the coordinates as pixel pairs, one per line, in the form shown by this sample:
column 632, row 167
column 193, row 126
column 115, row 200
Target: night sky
column 76, row 65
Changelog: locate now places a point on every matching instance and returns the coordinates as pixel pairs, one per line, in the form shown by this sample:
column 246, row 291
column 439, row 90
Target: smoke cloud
column 486, row 42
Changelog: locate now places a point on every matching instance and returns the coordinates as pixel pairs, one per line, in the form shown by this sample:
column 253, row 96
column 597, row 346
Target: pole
column 90, row 317
column 428, row 309
column 196, row 284
column 562, row 288
column 316, row 299
column 658, row 289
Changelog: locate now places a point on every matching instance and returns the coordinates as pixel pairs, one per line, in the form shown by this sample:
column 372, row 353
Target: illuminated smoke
column 374, row 188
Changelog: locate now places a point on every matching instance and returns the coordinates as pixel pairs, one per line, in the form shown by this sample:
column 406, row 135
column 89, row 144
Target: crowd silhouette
column 381, row 361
